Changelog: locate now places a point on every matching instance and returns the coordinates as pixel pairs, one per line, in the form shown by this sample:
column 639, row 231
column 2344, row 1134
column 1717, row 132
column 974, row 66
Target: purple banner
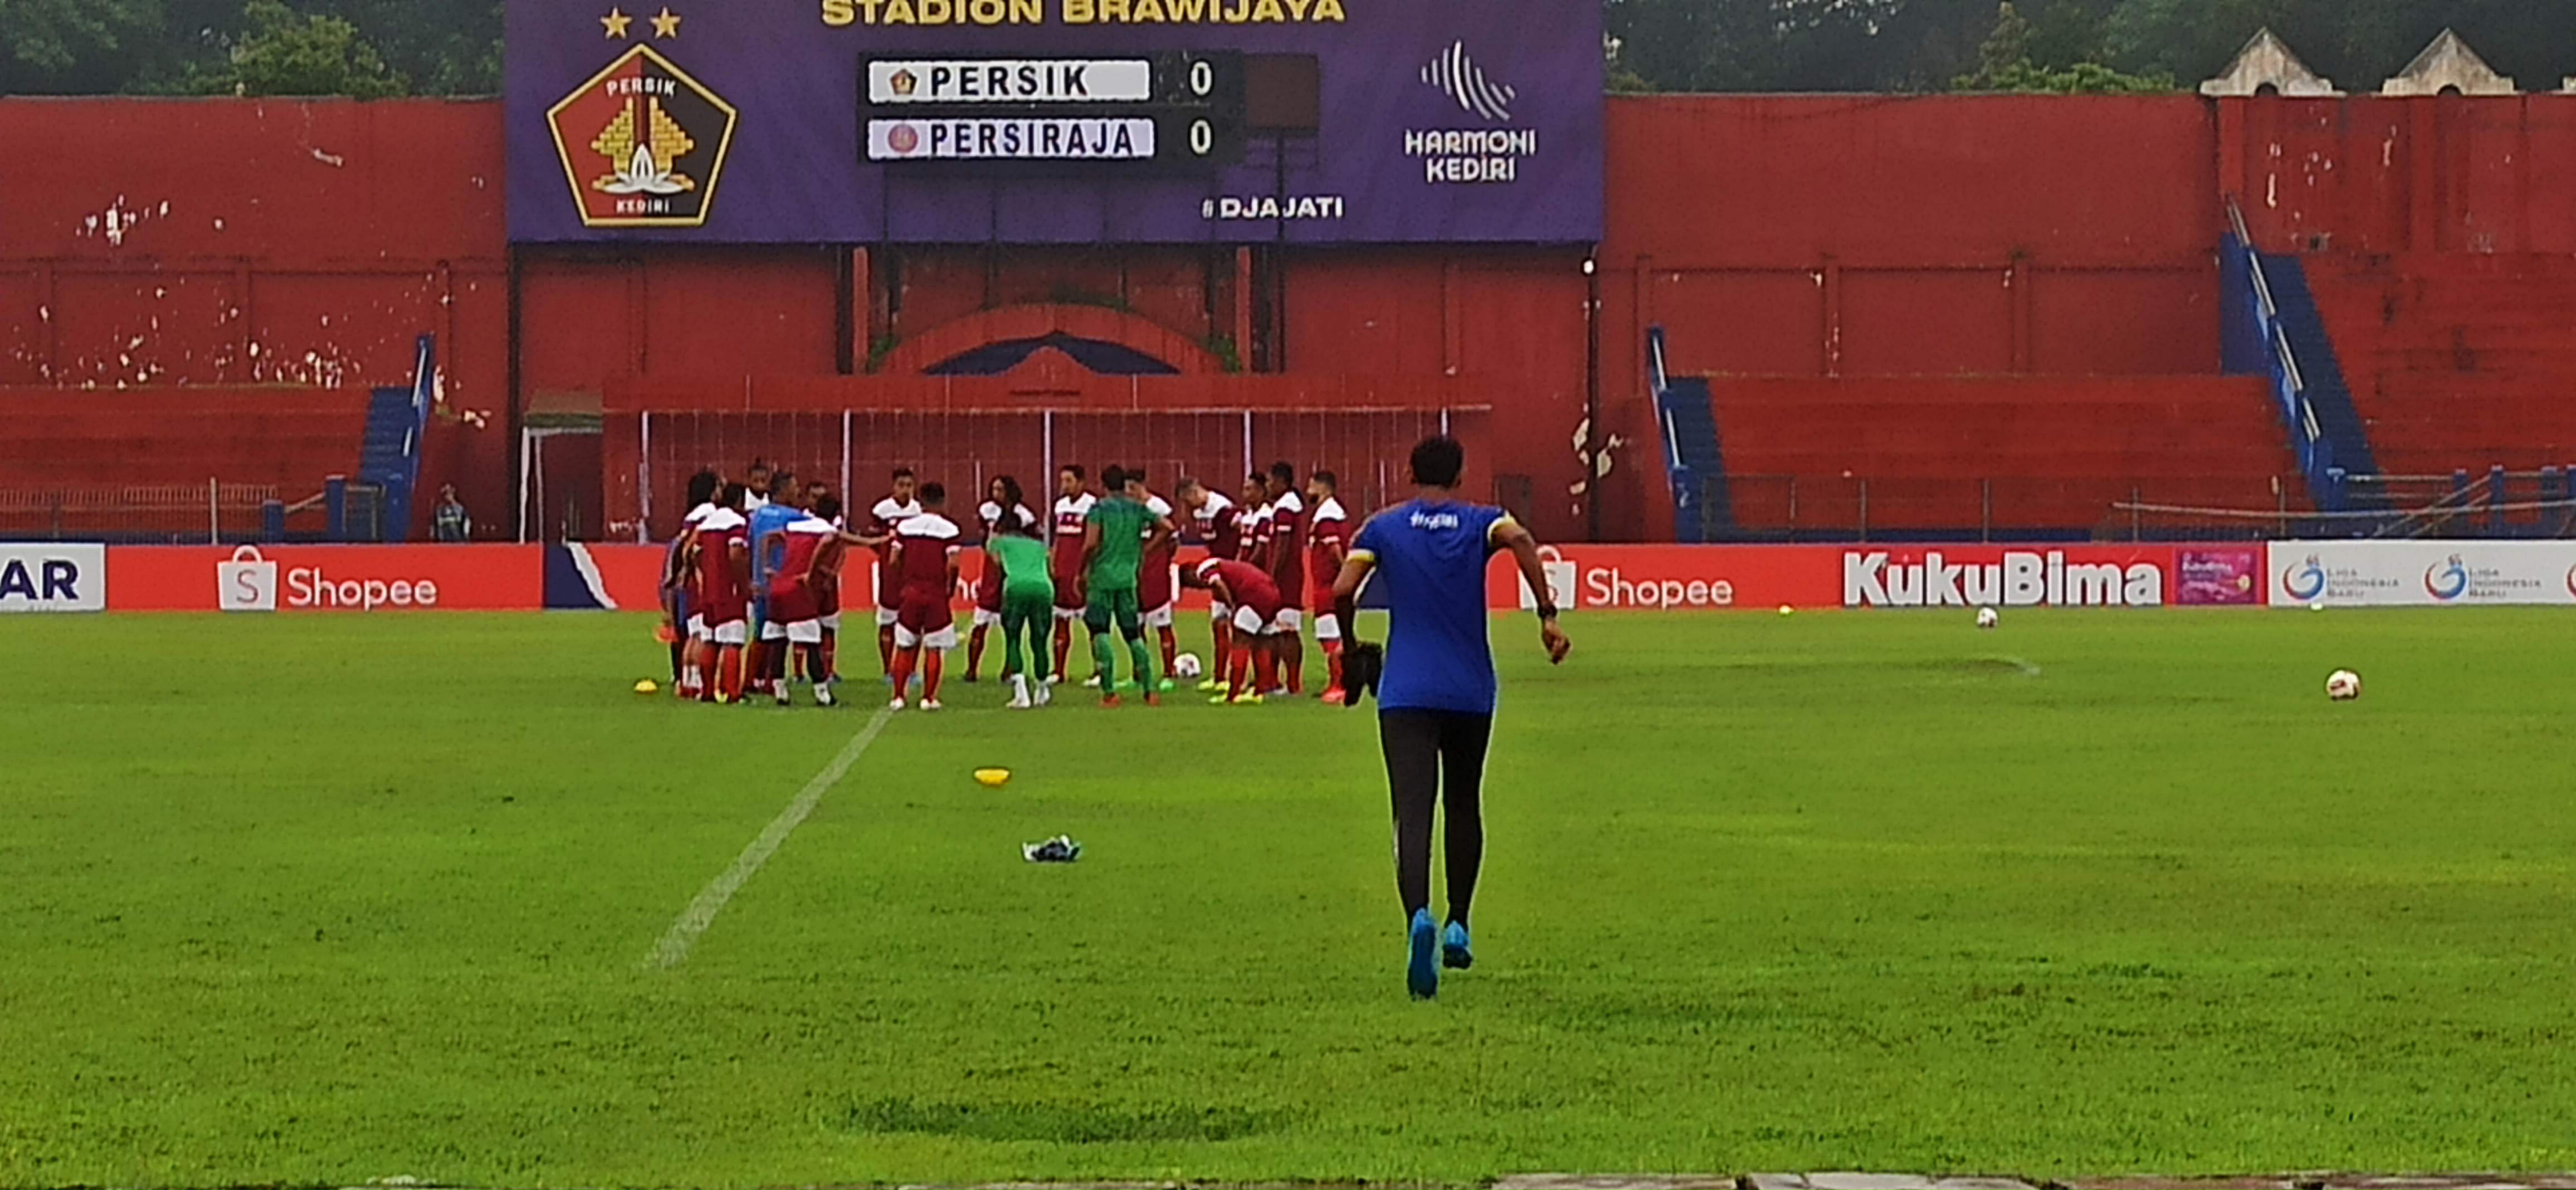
column 2227, row 576
column 1055, row 121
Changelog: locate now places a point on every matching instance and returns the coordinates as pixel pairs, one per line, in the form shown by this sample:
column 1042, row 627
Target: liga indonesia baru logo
column 2306, row 580
column 2446, row 581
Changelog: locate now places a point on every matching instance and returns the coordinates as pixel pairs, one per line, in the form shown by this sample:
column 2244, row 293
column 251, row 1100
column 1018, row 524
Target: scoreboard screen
column 1169, row 111
column 1220, row 122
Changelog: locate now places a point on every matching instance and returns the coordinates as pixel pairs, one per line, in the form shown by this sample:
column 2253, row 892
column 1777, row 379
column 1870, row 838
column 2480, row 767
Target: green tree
column 2005, row 63
column 285, row 52
column 76, row 46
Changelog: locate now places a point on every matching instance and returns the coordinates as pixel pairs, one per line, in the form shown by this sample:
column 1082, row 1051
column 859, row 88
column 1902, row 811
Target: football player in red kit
column 1071, row 518
column 898, row 506
column 720, row 595
column 1286, row 559
column 1003, row 502
column 1155, row 592
column 1328, row 542
column 1220, row 529
column 810, row 550
column 1258, row 628
column 925, row 550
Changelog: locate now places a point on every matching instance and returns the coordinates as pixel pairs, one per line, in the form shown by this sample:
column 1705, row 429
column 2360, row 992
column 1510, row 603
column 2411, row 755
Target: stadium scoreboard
column 1164, row 111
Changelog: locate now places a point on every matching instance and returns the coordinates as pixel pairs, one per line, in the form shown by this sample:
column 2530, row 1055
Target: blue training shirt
column 1430, row 557
column 767, row 521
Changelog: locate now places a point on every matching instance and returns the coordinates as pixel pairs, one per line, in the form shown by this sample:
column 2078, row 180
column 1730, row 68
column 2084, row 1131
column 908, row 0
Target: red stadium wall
column 148, row 243
column 153, row 243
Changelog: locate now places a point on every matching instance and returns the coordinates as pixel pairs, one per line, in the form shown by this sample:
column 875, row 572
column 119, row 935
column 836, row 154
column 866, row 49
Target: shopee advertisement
column 1669, row 578
column 326, row 578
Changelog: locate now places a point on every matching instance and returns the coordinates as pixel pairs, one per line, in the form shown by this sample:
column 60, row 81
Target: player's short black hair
column 1330, row 481
column 828, row 508
column 703, row 487
column 1113, row 477
column 903, row 473
column 1189, row 483
column 933, row 494
column 780, row 481
column 1072, row 469
column 1284, row 471
column 1134, row 475
column 758, row 465
column 1437, row 461
column 733, row 494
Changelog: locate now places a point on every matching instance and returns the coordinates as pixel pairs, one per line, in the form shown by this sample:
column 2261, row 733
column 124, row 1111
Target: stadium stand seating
column 132, row 465
column 2456, row 361
column 2007, row 457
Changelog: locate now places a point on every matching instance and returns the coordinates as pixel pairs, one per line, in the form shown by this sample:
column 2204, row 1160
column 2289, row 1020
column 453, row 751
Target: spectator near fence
column 448, row 522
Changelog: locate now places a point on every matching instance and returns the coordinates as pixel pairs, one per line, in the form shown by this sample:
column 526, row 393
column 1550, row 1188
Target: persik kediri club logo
column 643, row 144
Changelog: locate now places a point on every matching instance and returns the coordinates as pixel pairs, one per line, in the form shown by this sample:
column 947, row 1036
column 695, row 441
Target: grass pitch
column 317, row 900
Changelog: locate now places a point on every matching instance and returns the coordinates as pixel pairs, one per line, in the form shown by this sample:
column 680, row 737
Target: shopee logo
column 1609, row 587
column 307, row 586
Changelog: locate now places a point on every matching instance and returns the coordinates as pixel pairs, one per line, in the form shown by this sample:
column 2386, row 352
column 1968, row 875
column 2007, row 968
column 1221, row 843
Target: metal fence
column 1777, row 508
column 650, row 458
column 212, row 513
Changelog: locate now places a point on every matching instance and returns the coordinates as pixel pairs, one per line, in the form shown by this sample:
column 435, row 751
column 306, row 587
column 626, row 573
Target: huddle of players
column 1109, row 564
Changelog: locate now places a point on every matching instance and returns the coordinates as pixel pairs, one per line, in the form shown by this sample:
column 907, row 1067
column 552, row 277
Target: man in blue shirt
column 1436, row 694
column 766, row 661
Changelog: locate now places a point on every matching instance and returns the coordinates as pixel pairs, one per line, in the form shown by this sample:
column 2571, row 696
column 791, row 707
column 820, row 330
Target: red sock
column 1171, row 650
column 1268, row 660
column 1063, row 646
column 885, row 648
column 1238, row 668
column 975, row 651
column 930, row 667
column 831, row 647
column 698, row 679
column 1333, row 663
column 1224, row 634
column 902, row 670
column 729, row 674
column 1294, row 650
column 755, row 664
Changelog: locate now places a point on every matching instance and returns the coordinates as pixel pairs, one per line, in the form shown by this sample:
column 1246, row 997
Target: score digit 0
column 1202, row 78
column 1202, row 137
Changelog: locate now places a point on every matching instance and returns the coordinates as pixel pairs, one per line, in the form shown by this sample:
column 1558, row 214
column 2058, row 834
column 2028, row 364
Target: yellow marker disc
column 993, row 777
column 648, row 686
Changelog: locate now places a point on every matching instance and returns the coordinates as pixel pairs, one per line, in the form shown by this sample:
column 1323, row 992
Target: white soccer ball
column 2343, row 685
column 1988, row 618
column 1186, row 667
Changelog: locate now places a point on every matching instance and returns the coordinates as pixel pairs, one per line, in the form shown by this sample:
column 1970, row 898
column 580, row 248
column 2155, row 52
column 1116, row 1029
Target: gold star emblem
column 616, row 22
column 666, row 25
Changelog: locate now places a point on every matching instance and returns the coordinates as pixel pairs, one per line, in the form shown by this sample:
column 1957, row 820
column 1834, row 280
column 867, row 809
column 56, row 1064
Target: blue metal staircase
column 389, row 455
column 1693, row 460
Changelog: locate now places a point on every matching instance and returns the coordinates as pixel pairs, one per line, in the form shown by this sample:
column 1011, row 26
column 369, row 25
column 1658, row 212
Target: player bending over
column 1004, row 505
column 1255, row 604
column 1016, row 565
column 679, row 622
column 926, row 558
column 1436, row 694
column 1117, row 534
column 1073, row 505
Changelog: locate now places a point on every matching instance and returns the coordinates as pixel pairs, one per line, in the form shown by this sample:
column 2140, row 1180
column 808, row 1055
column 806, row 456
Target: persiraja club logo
column 642, row 143
column 2447, row 580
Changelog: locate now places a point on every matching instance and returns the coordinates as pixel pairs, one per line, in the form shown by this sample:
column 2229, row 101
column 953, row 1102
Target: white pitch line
column 673, row 949
column 2027, row 669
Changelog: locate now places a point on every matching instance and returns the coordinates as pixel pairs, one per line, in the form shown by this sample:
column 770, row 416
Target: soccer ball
column 1186, row 667
column 2343, row 685
column 1986, row 617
